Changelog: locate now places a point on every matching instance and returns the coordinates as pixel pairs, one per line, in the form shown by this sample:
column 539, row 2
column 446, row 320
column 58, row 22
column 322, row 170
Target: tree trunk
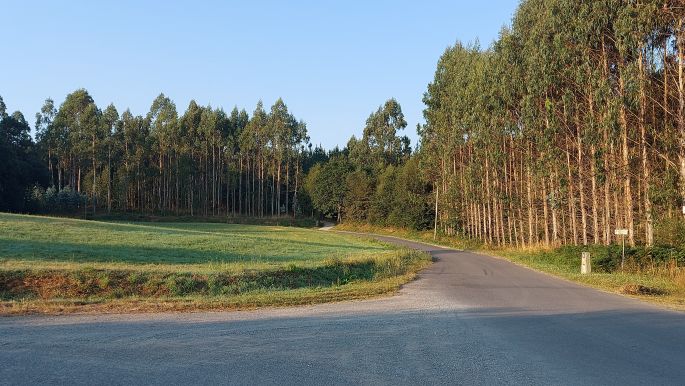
column 297, row 175
column 581, row 185
column 530, row 201
column 109, row 179
column 435, row 222
column 649, row 232
column 287, row 182
column 571, row 195
column 94, row 175
column 681, row 109
column 545, row 210
column 595, row 219
column 628, row 196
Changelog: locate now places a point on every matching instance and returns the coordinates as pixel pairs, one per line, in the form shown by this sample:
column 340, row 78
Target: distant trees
column 203, row 162
column 327, row 186
column 20, row 165
column 380, row 145
column 373, row 179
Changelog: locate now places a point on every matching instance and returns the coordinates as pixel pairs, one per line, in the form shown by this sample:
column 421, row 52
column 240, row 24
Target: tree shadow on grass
column 75, row 252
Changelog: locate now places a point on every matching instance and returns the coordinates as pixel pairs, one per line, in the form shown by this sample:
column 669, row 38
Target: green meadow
column 50, row 264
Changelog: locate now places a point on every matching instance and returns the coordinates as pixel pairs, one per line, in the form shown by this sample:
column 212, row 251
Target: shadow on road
column 475, row 346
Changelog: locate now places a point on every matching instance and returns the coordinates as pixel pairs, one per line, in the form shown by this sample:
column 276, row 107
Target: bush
column 670, row 232
column 50, row 198
column 34, row 199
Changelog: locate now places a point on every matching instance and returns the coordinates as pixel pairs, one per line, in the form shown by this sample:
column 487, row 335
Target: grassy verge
column 245, row 301
column 100, row 289
column 55, row 265
column 656, row 275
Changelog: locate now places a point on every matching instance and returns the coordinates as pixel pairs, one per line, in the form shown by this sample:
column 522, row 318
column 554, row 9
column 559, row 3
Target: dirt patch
column 638, row 289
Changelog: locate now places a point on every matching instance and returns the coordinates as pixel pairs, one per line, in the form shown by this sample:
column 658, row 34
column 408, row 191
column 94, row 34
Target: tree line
column 570, row 126
column 203, row 162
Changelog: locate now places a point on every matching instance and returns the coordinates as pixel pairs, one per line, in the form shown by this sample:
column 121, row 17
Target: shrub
column 670, row 232
column 50, row 199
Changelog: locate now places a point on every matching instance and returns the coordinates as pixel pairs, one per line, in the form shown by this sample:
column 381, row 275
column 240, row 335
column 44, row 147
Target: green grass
column 305, row 222
column 49, row 264
column 33, row 238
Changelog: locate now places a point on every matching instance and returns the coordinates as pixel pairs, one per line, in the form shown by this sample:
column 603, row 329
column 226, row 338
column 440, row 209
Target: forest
column 205, row 162
column 569, row 126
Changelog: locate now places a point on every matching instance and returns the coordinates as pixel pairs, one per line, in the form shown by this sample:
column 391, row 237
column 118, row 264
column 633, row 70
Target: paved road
column 469, row 319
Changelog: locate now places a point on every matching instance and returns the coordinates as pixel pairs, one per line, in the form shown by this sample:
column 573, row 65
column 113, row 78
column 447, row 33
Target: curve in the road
column 468, row 319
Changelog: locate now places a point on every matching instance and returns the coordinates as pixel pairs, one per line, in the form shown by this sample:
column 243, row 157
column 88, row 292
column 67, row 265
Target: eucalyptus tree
column 110, row 120
column 163, row 120
column 380, row 144
column 281, row 128
column 45, row 133
column 77, row 124
column 550, row 136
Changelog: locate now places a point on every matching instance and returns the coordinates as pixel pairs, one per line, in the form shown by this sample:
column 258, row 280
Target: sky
column 332, row 62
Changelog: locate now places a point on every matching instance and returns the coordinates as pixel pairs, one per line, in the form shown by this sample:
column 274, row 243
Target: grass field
column 59, row 265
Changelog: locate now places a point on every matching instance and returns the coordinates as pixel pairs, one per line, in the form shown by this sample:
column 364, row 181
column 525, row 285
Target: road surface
column 468, row 319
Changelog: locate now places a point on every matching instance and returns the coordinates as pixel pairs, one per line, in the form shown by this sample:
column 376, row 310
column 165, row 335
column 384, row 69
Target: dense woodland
column 204, row 162
column 569, row 126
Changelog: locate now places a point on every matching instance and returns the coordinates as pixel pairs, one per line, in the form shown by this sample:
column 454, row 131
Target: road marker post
column 623, row 233
column 585, row 263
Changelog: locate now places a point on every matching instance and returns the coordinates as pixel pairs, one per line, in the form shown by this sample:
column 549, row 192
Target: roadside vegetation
column 64, row 265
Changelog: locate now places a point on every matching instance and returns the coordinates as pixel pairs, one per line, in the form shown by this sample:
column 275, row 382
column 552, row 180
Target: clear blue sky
column 333, row 63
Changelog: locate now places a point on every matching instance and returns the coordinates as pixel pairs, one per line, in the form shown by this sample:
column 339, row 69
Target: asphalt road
column 469, row 319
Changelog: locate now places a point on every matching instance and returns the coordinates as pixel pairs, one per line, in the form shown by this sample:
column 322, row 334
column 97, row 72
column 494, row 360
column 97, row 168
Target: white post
column 585, row 263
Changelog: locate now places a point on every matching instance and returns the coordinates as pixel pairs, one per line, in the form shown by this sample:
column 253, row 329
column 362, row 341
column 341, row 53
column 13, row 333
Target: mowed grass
column 61, row 265
column 32, row 238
